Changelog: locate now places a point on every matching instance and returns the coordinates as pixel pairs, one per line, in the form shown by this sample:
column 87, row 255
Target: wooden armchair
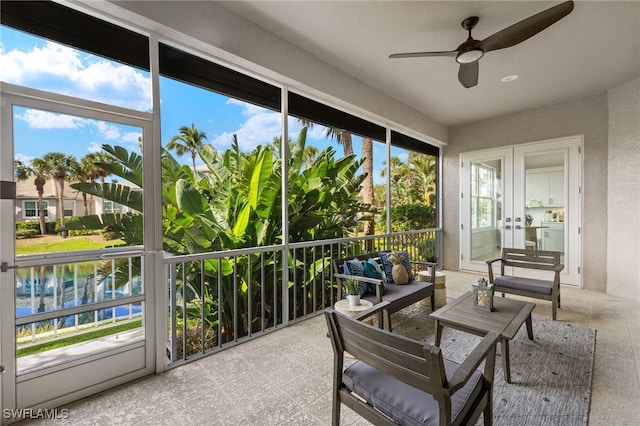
column 530, row 287
column 397, row 380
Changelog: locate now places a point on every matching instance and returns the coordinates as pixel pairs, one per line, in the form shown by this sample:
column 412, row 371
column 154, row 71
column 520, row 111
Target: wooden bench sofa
column 398, row 296
column 530, row 287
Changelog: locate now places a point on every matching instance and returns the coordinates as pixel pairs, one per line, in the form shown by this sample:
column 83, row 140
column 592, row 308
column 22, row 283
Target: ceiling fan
column 469, row 53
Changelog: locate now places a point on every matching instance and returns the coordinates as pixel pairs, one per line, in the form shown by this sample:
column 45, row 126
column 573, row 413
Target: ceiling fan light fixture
column 469, row 56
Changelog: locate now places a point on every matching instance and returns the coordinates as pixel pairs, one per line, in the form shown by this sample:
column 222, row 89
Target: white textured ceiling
column 593, row 49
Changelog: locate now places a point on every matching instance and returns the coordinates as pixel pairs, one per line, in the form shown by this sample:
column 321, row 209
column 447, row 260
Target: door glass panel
column 74, row 192
column 545, row 201
column 78, row 212
column 486, row 209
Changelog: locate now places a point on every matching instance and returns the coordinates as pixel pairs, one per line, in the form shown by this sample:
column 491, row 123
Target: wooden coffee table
column 507, row 318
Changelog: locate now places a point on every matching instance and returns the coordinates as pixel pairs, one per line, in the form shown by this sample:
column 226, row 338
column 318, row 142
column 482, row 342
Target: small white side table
column 343, row 307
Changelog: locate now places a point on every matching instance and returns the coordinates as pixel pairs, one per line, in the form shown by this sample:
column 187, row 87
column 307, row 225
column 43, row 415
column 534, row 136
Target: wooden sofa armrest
column 490, row 261
column 375, row 309
column 379, row 283
column 558, row 268
column 359, row 278
column 423, row 262
column 489, row 266
column 434, row 265
column 485, row 350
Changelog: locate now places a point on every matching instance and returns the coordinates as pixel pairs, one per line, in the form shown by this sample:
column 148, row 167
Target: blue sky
column 34, row 62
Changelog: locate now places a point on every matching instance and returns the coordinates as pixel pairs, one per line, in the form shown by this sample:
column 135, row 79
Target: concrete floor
column 283, row 378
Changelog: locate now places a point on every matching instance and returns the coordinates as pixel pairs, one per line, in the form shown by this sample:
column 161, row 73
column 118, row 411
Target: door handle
column 507, row 227
column 4, row 267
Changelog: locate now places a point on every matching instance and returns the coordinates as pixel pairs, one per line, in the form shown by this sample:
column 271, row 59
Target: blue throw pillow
column 354, row 267
column 373, row 270
column 387, row 265
column 405, row 262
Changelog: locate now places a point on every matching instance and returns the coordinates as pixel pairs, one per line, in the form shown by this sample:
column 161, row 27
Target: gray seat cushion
column 527, row 284
column 406, row 404
column 395, row 292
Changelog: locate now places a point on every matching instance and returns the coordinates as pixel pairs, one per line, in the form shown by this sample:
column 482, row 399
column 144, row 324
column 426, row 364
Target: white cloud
column 109, row 131
column 94, row 147
column 248, row 109
column 261, row 127
column 38, row 119
column 317, row 132
column 25, row 159
column 53, row 59
column 58, row 68
column 403, row 156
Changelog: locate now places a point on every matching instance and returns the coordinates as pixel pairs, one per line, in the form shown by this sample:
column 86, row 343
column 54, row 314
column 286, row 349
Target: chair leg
column 433, row 301
column 487, row 413
column 554, row 308
column 335, row 415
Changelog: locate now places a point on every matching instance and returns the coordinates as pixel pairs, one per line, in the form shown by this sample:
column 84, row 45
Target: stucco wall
column 587, row 116
column 623, row 195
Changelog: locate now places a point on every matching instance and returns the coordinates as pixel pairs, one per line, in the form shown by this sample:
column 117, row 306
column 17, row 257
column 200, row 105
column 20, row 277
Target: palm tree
column 40, row 172
column 309, row 155
column 60, row 166
column 86, row 172
column 424, row 167
column 189, row 140
column 342, row 137
column 368, row 194
column 95, row 170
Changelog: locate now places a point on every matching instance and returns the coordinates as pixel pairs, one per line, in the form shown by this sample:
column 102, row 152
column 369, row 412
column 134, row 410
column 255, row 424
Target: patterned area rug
column 551, row 375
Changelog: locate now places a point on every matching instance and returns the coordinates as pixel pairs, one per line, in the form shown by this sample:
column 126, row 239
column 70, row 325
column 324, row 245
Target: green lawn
column 51, row 244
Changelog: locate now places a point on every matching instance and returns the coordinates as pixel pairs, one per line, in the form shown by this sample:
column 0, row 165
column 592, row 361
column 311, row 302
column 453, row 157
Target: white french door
column 524, row 196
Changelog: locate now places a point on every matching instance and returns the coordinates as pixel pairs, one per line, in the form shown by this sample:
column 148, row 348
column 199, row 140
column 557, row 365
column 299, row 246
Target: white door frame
column 513, row 206
column 141, row 357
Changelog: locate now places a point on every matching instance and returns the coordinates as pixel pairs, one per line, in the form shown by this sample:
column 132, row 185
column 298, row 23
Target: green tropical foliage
column 237, row 203
column 412, row 216
column 413, row 193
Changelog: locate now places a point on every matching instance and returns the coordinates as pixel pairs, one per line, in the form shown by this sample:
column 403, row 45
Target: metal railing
column 64, row 294
column 220, row 299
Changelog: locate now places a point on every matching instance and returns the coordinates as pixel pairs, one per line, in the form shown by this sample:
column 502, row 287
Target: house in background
column 27, row 209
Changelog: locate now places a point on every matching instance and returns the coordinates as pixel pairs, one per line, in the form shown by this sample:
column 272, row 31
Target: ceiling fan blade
column 468, row 74
column 526, row 28
column 422, row 54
